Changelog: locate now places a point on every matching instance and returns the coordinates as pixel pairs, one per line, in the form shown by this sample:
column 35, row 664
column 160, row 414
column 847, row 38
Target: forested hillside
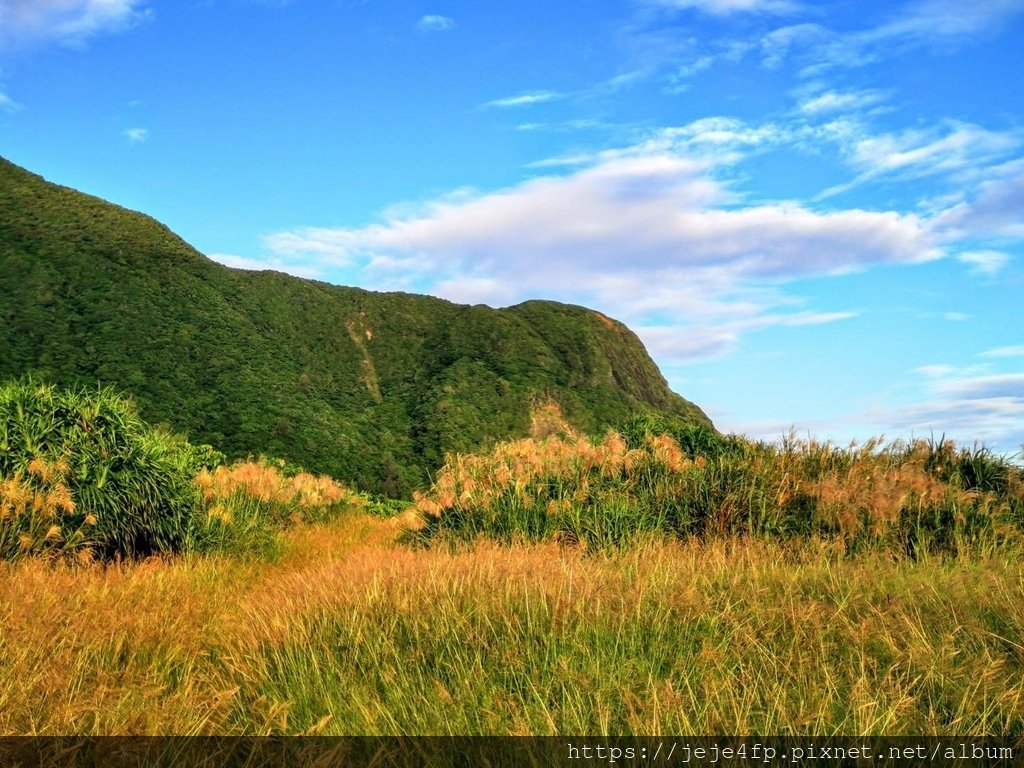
column 372, row 388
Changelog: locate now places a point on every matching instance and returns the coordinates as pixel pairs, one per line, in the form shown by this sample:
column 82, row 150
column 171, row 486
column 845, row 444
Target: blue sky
column 811, row 212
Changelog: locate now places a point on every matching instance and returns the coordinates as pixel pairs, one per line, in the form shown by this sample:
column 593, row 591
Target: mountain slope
column 369, row 387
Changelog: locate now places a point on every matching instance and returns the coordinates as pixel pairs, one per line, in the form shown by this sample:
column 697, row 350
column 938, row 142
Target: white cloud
column 984, row 263
column 954, row 148
column 839, row 101
column 622, row 80
column 965, row 404
column 524, row 99
column 1014, row 351
column 568, row 126
column 914, row 25
column 963, row 145
column 929, row 19
column 998, row 421
column 694, row 67
column 777, row 45
column 137, row 135
column 730, row 7
column 994, row 385
column 7, row 104
column 956, row 317
column 435, row 23
column 709, row 141
column 935, row 371
column 652, row 211
column 694, row 340
column 995, row 209
column 646, row 233
column 72, row 21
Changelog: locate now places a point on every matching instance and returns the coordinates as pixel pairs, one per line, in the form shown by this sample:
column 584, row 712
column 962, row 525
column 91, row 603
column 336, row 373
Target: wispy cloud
column 716, row 140
column 984, row 263
column 1012, row 351
column 996, row 206
column 137, row 135
column 839, row 101
column 435, row 23
column 647, row 233
column 911, row 26
column 952, row 148
column 680, row 79
column 732, row 7
column 930, row 19
column 967, row 404
column 962, row 145
column 777, row 45
column 524, row 99
column 568, row 126
column 995, row 420
column 70, row 21
column 7, row 104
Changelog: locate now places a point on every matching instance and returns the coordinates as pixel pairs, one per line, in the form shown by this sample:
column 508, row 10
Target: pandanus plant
column 81, row 471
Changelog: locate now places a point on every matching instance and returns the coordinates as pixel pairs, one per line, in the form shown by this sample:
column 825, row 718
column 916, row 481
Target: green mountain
column 370, row 387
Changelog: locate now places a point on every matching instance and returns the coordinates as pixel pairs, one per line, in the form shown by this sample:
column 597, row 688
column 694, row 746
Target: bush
column 80, row 471
column 900, row 498
column 694, row 439
column 246, row 504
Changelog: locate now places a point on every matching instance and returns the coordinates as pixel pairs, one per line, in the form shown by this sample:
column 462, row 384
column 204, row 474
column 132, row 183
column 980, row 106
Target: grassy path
column 350, row 633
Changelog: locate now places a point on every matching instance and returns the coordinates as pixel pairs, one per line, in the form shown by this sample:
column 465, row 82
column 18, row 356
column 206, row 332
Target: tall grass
column 347, row 633
column 901, row 498
column 245, row 506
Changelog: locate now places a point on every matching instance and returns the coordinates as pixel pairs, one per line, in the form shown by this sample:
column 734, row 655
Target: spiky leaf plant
column 81, row 471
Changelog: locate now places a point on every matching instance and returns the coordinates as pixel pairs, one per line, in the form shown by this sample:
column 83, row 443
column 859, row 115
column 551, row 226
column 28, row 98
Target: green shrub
column 611, row 494
column 80, row 470
column 695, row 439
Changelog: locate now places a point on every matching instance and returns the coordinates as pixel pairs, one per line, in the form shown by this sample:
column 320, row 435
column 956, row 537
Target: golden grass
column 898, row 496
column 267, row 483
column 38, row 512
column 349, row 633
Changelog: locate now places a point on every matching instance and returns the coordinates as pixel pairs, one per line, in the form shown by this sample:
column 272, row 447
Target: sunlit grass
column 348, row 632
column 899, row 498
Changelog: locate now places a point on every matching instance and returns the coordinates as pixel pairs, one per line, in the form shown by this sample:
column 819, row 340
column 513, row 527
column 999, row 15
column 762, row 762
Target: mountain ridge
column 370, row 387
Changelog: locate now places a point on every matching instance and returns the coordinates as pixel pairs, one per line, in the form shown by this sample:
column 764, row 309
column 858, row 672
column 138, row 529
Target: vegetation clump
column 246, row 504
column 906, row 498
column 81, row 472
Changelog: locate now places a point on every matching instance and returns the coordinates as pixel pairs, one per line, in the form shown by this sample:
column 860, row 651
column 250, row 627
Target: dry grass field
column 347, row 631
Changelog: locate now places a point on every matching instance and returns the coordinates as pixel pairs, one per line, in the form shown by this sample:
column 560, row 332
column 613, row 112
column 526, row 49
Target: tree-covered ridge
column 369, row 387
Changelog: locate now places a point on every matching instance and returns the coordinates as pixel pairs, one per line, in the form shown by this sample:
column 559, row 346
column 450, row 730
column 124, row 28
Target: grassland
column 660, row 579
column 653, row 580
column 346, row 631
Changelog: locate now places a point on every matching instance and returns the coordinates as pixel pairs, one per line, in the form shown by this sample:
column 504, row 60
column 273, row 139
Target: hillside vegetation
column 82, row 476
column 655, row 479
column 370, row 388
